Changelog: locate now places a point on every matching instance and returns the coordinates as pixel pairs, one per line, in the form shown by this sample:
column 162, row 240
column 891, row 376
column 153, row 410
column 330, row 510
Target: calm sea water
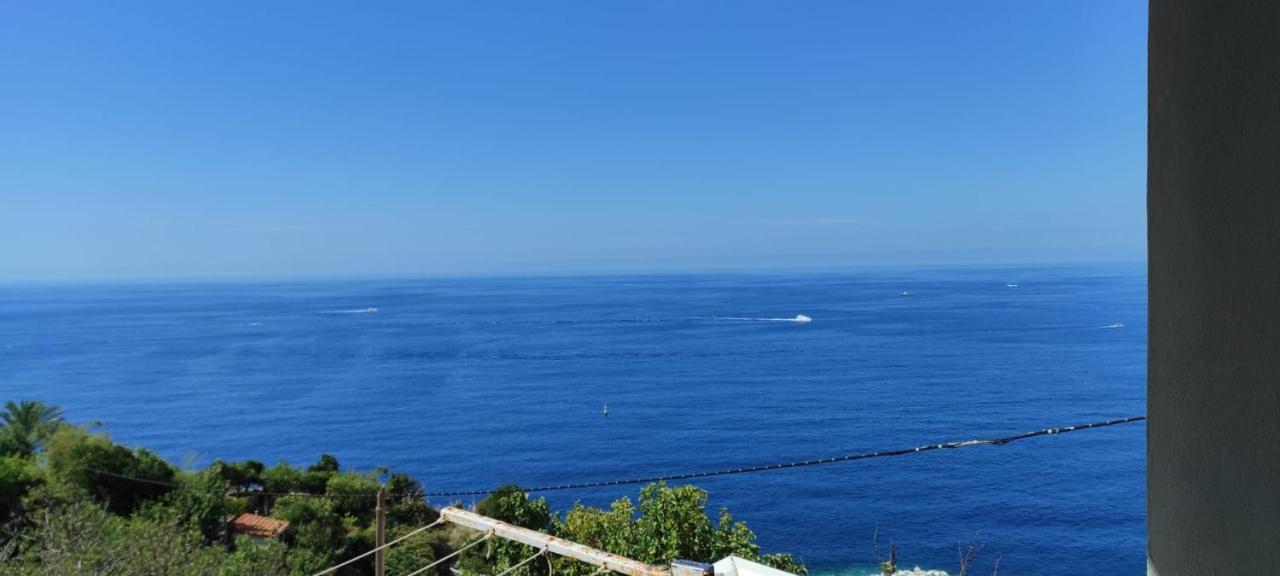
column 469, row 383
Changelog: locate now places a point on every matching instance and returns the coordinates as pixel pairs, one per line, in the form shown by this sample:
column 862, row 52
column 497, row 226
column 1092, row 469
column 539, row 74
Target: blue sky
column 227, row 139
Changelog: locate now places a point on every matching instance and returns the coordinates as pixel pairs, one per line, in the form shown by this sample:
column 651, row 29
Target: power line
column 999, row 441
column 235, row 493
column 239, row 493
column 133, row 478
column 517, row 565
column 330, row 569
column 484, row 538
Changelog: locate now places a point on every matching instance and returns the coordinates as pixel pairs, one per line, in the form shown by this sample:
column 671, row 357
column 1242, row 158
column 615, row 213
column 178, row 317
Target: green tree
column 316, row 479
column 78, row 536
column 411, row 554
column 251, row 558
column 406, row 502
column 402, row 486
column 326, row 463
column 733, row 538
column 201, row 503
column 101, row 508
column 240, row 475
column 313, row 525
column 609, row 530
column 512, row 505
column 670, row 523
column 673, row 524
column 353, row 494
column 120, row 478
column 18, row 476
column 303, row 562
column 785, row 563
column 282, row 478
column 27, row 426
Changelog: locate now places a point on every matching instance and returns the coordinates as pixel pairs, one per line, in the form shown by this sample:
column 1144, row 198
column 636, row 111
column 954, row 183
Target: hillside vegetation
column 74, row 502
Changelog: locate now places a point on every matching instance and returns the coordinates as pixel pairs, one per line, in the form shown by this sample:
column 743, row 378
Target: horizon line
column 532, row 274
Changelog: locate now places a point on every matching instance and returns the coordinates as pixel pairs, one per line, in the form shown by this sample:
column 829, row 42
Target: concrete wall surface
column 1213, row 203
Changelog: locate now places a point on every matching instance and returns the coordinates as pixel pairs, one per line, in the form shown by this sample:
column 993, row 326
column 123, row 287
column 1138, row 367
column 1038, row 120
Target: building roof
column 735, row 566
column 260, row 526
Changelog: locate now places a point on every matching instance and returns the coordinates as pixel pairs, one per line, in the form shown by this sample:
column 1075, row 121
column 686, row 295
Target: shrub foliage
column 72, row 501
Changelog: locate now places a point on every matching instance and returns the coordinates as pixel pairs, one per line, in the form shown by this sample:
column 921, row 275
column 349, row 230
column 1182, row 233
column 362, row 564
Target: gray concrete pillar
column 1213, row 217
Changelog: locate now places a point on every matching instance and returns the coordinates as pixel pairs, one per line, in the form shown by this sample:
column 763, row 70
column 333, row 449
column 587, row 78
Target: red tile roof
column 260, row 526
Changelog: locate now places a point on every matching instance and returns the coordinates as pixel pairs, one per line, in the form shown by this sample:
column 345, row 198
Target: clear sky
column 222, row 139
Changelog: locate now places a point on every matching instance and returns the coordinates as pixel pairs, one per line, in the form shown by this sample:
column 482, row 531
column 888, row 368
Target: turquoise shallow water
column 468, row 383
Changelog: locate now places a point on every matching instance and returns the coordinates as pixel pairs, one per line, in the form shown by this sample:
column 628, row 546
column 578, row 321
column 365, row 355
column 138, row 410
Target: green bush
column 670, row 523
column 116, row 476
column 201, row 502
column 18, row 476
column 240, row 475
column 410, row 555
column 353, row 494
column 78, row 503
column 78, row 536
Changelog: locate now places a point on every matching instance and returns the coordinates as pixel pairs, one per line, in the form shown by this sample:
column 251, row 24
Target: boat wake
column 368, row 310
column 801, row 318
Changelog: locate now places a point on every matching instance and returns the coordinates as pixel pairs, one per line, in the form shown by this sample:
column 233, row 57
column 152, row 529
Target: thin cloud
column 815, row 221
column 288, row 228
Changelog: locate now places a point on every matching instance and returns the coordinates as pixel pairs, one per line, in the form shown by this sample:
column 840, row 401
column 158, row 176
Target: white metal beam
column 552, row 544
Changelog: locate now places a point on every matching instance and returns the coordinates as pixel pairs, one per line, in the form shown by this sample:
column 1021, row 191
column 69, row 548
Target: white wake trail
column 368, row 310
column 801, row 318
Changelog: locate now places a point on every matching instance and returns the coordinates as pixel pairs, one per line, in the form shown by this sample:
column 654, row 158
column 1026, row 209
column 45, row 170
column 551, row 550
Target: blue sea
column 474, row 382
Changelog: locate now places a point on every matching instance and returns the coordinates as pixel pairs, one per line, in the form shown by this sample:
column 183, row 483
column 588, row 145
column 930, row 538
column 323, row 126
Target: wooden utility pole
column 380, row 538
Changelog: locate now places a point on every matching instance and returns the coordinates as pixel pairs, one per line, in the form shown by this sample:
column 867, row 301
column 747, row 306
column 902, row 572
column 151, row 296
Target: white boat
column 606, row 409
column 801, row 318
